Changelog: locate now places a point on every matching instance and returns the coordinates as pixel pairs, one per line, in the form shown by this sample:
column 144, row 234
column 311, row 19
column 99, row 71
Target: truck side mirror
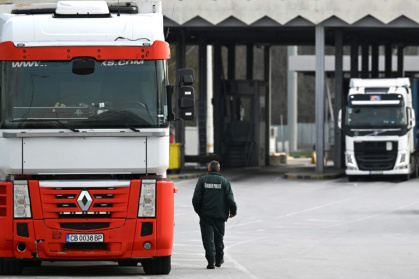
column 170, row 114
column 186, row 101
column 410, row 118
column 186, row 76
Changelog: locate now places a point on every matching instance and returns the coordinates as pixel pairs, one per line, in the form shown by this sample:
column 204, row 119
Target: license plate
column 376, row 172
column 84, row 237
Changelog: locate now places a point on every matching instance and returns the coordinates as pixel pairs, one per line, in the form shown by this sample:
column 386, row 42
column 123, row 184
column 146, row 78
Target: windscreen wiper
column 116, row 116
column 128, row 126
column 66, row 126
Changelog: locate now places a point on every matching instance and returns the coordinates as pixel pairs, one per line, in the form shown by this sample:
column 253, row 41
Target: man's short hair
column 214, row 166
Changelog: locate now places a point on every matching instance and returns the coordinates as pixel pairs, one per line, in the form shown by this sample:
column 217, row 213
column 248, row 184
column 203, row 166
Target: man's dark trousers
column 212, row 231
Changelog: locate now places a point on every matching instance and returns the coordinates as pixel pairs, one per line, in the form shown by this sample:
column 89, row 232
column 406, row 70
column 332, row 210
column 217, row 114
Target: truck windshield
column 84, row 93
column 375, row 116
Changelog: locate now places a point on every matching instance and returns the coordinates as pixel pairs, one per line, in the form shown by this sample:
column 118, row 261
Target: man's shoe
column 210, row 266
column 218, row 264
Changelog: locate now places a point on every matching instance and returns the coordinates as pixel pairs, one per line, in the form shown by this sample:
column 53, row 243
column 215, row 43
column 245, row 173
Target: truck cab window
column 116, row 94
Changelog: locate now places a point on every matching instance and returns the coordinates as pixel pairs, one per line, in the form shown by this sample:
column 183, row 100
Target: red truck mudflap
column 109, row 229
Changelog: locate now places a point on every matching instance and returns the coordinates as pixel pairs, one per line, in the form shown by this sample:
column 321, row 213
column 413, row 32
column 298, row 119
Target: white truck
column 380, row 128
column 84, row 134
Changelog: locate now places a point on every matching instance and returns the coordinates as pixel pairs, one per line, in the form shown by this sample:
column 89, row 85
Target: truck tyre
column 352, row 178
column 10, row 267
column 414, row 162
column 32, row 263
column 405, row 177
column 161, row 265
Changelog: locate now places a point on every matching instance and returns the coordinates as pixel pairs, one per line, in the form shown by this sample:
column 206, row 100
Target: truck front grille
column 84, row 202
column 374, row 156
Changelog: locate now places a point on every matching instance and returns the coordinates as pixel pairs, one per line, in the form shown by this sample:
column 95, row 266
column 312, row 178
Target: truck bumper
column 370, row 173
column 40, row 241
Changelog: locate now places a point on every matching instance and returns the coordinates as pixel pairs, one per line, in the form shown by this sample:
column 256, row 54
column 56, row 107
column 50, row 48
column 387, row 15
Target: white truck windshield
column 376, row 116
column 84, row 93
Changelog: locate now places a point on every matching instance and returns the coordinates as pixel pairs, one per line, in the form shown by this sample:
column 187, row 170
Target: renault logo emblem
column 84, row 201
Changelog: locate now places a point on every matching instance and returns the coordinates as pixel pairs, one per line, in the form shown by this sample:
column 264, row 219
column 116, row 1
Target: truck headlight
column 21, row 200
column 402, row 158
column 349, row 159
column 147, row 203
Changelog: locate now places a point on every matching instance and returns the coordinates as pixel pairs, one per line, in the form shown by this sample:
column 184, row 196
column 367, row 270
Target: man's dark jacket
column 213, row 197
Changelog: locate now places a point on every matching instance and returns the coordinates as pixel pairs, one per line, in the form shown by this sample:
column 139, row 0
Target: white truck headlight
column 147, row 203
column 350, row 162
column 349, row 159
column 402, row 158
column 21, row 200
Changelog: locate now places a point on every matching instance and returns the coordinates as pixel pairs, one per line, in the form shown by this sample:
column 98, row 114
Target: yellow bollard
column 313, row 157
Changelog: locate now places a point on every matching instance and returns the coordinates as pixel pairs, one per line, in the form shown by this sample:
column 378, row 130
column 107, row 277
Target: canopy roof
column 291, row 12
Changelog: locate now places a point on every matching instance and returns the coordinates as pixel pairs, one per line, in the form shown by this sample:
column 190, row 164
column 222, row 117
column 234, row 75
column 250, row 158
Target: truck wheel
column 10, row 267
column 352, row 178
column 405, row 177
column 32, row 263
column 414, row 162
column 161, row 265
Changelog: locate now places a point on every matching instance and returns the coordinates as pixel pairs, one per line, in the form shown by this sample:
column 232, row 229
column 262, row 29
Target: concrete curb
column 184, row 175
column 313, row 175
column 308, row 174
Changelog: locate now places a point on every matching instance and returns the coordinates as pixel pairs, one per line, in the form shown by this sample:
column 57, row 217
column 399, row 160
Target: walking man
column 213, row 201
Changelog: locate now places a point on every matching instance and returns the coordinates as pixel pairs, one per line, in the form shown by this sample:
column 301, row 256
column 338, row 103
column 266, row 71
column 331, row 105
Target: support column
column 338, row 97
column 180, row 124
column 202, row 100
column 374, row 60
column 365, row 60
column 268, row 100
column 210, row 115
column 292, row 106
column 218, row 111
column 354, row 58
column 387, row 57
column 320, row 75
column 231, row 60
column 400, row 61
column 249, row 62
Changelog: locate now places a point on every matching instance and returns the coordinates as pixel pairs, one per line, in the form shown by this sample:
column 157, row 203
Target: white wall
column 191, row 141
column 306, row 134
